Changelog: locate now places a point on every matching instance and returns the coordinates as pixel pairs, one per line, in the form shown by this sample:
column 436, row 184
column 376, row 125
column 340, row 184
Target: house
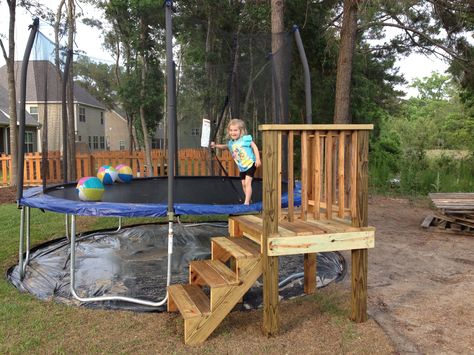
column 44, row 96
column 31, row 127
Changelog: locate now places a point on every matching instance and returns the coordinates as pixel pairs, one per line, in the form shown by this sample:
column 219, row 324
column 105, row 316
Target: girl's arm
column 257, row 154
column 218, row 146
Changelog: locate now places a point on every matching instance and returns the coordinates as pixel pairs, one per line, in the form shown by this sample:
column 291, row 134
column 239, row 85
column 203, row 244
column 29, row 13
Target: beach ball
column 107, row 174
column 124, row 172
column 90, row 189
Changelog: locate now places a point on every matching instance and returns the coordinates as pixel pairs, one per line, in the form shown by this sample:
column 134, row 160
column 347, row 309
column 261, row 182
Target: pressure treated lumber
column 201, row 327
column 360, row 256
column 270, row 227
column 190, row 300
column 211, row 272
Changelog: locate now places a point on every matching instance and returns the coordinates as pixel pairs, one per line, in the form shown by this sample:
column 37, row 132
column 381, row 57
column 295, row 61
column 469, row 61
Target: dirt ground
column 420, row 295
column 420, row 282
column 7, row 195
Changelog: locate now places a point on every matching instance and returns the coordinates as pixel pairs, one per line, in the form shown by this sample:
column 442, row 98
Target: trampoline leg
column 72, row 269
column 119, row 224
column 25, row 213
column 67, row 227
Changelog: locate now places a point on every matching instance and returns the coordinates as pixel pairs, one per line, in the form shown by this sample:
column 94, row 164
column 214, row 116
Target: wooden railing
column 332, row 168
column 191, row 162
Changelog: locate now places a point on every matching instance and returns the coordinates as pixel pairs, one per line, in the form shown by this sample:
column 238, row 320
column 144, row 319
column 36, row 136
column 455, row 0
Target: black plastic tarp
column 133, row 262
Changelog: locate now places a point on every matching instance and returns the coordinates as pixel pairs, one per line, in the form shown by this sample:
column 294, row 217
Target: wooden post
column 304, row 175
column 310, row 265
column 270, row 227
column 309, row 259
column 291, row 180
column 328, row 180
column 360, row 256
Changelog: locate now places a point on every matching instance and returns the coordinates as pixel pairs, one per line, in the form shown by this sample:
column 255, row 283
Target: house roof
column 41, row 72
column 4, row 111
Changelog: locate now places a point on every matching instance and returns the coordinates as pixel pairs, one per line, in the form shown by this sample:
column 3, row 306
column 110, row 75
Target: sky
column 90, row 41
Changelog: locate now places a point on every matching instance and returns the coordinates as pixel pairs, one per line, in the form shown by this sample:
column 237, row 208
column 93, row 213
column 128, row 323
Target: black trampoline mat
column 193, row 190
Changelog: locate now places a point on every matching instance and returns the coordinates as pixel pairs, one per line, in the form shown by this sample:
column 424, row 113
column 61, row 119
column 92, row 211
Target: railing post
column 360, row 256
column 271, row 156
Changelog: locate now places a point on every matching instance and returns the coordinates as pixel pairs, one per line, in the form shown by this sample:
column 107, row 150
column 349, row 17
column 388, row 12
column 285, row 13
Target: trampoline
column 143, row 197
column 147, row 197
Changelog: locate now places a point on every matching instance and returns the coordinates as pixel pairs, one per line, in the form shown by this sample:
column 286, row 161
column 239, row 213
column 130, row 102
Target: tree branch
column 3, row 51
column 410, row 31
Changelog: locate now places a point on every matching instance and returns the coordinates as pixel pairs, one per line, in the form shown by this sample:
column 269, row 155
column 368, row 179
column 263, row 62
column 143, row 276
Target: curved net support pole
column 111, row 298
column 23, row 261
column 307, row 76
column 22, row 117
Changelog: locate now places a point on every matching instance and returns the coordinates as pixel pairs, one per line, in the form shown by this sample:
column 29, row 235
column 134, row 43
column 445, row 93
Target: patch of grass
column 330, row 305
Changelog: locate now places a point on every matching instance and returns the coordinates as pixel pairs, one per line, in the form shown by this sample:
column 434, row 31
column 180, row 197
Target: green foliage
column 385, row 158
column 436, row 87
column 436, row 119
column 97, row 79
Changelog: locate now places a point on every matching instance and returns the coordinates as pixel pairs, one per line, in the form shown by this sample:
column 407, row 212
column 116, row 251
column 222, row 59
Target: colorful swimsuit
column 242, row 152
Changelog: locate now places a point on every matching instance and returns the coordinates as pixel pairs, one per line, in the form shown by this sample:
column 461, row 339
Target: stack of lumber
column 455, row 212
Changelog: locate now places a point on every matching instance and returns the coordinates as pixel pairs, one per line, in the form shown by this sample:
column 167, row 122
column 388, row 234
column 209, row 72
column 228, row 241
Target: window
column 79, row 138
column 96, row 142
column 102, row 142
column 195, row 132
column 34, row 111
column 90, row 142
column 29, row 142
column 101, row 117
column 122, row 145
column 82, row 114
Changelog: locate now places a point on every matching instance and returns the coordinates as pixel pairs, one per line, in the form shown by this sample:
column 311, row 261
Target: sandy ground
column 420, row 282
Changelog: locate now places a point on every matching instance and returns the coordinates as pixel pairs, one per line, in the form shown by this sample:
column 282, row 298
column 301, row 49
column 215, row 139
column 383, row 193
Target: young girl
column 245, row 154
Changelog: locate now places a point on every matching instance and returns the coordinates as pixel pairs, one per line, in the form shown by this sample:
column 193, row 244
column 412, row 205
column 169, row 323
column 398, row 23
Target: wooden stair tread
column 298, row 227
column 239, row 248
column 214, row 273
column 249, row 223
column 190, row 300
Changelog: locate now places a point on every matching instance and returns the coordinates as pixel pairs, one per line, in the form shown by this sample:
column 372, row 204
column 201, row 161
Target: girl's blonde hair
column 239, row 123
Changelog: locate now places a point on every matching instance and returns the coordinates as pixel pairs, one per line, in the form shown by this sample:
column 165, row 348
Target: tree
column 141, row 89
column 278, row 27
column 71, row 134
column 342, row 112
column 10, row 61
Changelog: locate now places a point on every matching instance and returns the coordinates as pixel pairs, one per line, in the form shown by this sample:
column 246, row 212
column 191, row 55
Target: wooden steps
column 203, row 313
column 212, row 273
column 190, row 300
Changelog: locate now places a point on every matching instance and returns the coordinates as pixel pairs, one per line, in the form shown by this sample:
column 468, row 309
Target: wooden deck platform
column 304, row 237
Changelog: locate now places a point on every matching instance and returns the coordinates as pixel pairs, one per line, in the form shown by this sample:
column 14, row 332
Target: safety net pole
column 21, row 132
column 307, row 77
column 171, row 114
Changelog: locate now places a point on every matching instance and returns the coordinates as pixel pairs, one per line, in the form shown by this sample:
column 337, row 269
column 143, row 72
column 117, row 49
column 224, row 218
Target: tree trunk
column 71, row 145
column 235, row 84
column 10, row 60
column 342, row 112
column 146, row 140
column 278, row 26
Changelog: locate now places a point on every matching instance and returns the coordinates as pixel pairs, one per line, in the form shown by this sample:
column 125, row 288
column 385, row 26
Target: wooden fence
column 191, row 162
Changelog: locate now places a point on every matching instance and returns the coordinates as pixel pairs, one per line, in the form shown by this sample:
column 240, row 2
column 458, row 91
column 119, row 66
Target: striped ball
column 124, row 172
column 107, row 174
column 90, row 189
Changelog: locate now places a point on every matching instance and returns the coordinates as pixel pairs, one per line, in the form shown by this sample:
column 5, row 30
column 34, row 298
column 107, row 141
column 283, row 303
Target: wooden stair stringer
column 198, row 329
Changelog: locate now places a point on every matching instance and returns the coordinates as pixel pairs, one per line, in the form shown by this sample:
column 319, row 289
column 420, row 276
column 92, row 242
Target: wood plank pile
column 455, row 213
